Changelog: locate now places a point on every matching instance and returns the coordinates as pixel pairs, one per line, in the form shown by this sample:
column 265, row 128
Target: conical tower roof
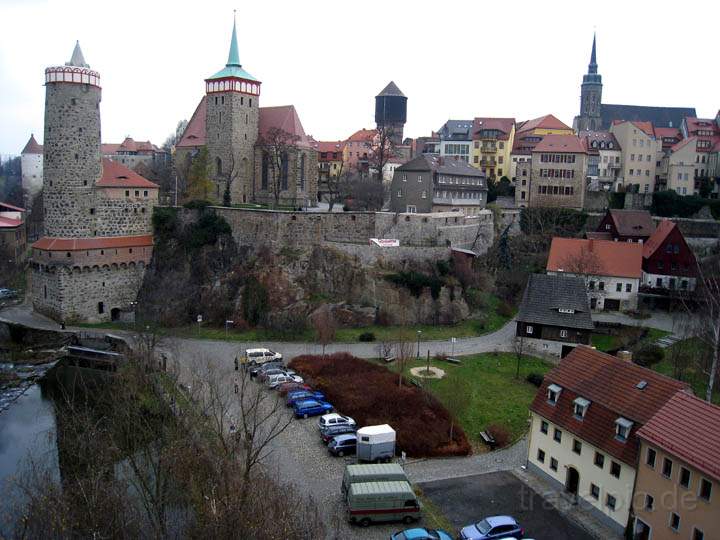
column 233, row 68
column 32, row 146
column 391, row 90
column 77, row 59
column 592, row 67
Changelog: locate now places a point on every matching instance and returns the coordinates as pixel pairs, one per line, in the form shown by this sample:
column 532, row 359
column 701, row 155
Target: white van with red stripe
column 382, row 501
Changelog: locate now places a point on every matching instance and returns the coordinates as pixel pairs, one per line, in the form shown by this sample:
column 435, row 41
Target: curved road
column 500, row 340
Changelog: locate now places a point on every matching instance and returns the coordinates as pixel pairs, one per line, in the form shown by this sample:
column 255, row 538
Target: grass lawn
column 604, row 342
column 691, row 374
column 469, row 328
column 496, row 397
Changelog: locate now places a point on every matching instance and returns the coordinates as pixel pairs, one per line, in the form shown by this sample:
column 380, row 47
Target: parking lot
column 468, row 499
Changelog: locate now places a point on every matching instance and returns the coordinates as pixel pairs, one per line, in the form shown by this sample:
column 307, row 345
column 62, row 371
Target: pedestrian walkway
column 567, row 506
column 667, row 341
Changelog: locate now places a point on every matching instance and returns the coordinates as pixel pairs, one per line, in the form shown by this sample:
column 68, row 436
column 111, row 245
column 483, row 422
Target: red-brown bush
column 370, row 394
column 500, row 434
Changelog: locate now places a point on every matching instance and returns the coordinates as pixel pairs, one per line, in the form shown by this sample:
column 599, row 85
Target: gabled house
column 679, row 455
column 612, row 270
column 584, row 428
column 554, row 314
column 668, row 262
column 627, row 225
column 429, row 183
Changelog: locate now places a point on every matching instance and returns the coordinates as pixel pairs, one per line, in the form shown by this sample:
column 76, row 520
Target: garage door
column 611, row 305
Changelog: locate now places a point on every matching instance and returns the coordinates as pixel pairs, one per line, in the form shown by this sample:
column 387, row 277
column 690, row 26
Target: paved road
column 500, row 340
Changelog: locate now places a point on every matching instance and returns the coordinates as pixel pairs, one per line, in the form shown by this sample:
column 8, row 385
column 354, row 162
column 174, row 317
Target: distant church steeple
column 590, row 96
column 233, row 55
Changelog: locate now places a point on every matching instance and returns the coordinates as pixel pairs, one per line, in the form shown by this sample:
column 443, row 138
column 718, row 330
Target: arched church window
column 284, row 171
column 265, row 171
column 302, row 171
column 218, row 164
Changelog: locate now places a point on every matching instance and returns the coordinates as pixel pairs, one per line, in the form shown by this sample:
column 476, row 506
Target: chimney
column 625, row 355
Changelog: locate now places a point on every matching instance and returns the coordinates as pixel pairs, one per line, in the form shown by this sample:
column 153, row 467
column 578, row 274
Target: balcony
column 488, row 162
column 488, row 148
column 448, row 201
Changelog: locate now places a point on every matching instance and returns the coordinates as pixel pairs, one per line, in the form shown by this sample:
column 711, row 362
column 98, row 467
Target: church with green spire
column 244, row 165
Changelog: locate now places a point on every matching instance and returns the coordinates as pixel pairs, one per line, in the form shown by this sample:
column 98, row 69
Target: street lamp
column 419, row 333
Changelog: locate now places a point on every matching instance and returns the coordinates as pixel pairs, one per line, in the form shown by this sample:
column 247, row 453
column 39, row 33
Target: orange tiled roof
column 561, row 143
column 363, row 135
column 194, row 134
column 47, row 243
column 119, row 176
column 32, row 146
column 612, row 259
column 689, row 428
column 544, row 122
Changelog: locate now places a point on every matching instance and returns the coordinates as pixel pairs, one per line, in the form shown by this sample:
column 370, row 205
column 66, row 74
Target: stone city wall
column 90, row 295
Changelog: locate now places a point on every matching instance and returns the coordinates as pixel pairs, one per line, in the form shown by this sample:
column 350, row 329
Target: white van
column 260, row 356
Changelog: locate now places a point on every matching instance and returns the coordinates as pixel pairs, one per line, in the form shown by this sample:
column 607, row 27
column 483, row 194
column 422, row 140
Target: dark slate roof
column 391, row 90
column 546, row 294
column 659, row 116
column 459, row 130
column 449, row 166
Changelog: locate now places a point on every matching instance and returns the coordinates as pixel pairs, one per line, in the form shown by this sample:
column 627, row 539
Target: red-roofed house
column 584, row 428
column 677, row 491
column 627, row 225
column 641, row 150
column 131, row 153
column 13, row 236
column 556, row 175
column 693, row 160
column 668, row 262
column 330, row 162
column 358, row 148
column 612, row 270
column 492, row 144
column 530, row 132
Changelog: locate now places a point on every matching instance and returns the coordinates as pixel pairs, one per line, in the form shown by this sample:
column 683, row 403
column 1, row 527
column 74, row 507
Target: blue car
column 299, row 395
column 421, row 534
column 491, row 528
column 311, row 407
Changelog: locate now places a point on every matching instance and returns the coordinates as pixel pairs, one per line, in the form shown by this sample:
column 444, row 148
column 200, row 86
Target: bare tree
column 229, row 176
column 519, row 349
column 325, row 325
column 337, row 186
column 365, row 194
column 382, row 149
column 704, row 309
column 457, row 398
column 278, row 145
column 404, row 348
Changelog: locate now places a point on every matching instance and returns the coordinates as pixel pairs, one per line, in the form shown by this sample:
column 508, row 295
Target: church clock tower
column 590, row 97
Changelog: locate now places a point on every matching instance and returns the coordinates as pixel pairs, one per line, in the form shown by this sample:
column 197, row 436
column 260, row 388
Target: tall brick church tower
column 90, row 265
column 232, row 123
column 590, row 97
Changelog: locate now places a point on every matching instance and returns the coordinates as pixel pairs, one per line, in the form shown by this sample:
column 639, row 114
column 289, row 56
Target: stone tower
column 391, row 111
column 590, row 97
column 72, row 158
column 233, row 112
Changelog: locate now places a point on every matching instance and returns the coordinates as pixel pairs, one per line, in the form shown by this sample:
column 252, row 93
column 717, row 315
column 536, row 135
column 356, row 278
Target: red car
column 284, row 388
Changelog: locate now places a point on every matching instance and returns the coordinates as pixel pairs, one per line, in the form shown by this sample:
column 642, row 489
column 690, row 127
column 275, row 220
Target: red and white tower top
column 75, row 71
column 233, row 78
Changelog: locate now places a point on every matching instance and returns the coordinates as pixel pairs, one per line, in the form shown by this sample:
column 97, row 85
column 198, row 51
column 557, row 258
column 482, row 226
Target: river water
column 27, row 428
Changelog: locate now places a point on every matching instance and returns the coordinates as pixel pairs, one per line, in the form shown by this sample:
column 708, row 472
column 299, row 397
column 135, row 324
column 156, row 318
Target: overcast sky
column 330, row 58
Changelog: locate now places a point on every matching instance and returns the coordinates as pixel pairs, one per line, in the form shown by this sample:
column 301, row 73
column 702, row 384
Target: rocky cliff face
column 215, row 280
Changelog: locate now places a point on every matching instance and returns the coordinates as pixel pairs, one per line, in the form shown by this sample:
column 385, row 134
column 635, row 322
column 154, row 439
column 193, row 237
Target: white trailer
column 376, row 443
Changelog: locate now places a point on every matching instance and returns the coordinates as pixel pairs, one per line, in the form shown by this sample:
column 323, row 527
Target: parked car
column 421, row 534
column 7, row 294
column 255, row 370
column 493, row 528
column 273, row 381
column 327, row 433
column 261, row 356
column 311, row 407
column 265, row 373
column 299, row 395
column 334, row 420
column 286, row 388
column 342, row 445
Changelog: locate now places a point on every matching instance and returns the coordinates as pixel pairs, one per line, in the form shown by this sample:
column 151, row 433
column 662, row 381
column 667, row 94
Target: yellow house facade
column 492, row 145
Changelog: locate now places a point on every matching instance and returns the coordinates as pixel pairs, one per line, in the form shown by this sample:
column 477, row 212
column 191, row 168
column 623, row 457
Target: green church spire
column 233, row 56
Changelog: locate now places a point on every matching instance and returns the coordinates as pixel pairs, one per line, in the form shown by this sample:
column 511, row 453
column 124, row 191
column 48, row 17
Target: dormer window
column 580, row 407
column 622, row 429
column 553, row 393
column 566, row 310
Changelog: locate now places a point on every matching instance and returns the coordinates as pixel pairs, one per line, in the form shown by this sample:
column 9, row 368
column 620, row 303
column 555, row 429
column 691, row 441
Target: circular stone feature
column 421, row 372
